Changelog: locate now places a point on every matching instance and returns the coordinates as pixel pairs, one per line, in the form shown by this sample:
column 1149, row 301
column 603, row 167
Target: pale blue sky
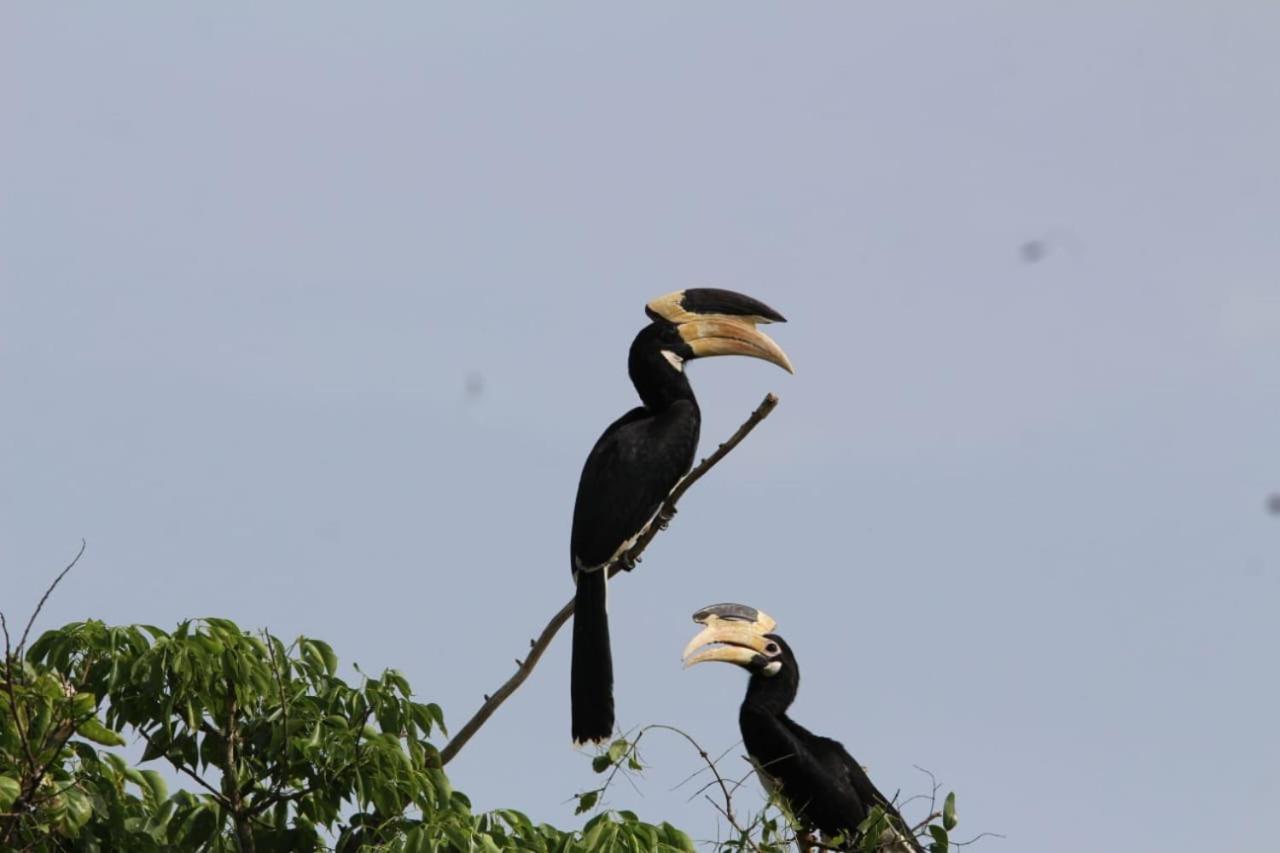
column 1010, row 515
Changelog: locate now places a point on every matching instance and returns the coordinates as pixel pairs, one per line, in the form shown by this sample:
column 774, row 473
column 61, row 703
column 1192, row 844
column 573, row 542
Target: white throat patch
column 674, row 360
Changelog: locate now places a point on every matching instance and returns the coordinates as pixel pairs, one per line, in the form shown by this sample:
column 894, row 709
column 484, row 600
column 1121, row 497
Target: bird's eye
column 772, row 649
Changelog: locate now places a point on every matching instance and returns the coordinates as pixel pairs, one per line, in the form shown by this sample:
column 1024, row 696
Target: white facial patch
column 772, row 668
column 674, row 360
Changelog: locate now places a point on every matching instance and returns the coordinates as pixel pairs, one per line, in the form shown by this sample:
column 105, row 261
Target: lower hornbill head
column 706, row 321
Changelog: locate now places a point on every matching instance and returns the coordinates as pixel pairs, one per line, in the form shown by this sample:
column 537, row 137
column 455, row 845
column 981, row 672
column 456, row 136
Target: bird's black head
column 775, row 675
column 697, row 323
column 702, row 322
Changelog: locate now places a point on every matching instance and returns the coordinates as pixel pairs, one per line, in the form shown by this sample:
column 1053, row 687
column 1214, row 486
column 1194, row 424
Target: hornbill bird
column 638, row 461
column 820, row 783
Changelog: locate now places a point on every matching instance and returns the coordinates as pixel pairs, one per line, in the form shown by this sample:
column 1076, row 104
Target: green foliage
column 278, row 752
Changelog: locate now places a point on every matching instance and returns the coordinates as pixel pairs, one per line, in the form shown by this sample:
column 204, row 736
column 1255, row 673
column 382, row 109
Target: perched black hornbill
column 821, row 784
column 638, row 461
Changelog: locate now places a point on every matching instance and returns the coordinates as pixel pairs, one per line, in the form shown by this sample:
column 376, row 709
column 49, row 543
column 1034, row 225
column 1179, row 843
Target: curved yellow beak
column 733, row 634
column 721, row 322
column 732, row 336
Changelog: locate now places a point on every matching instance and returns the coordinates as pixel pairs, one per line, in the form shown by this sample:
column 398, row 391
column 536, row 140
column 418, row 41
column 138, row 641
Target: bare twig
column 538, row 646
column 978, row 837
column 510, row 686
column 726, row 809
column 711, row 765
column 695, row 774
column 915, row 830
column 22, row 644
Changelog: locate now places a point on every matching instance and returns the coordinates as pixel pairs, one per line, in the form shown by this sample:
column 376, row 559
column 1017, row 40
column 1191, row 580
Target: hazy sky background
column 1011, row 512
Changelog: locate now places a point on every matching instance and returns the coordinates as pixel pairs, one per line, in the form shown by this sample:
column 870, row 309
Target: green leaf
column 949, row 812
column 601, row 763
column 940, row 842
column 98, row 733
column 82, row 704
column 196, row 828
column 601, row 836
column 224, row 625
column 156, row 783
column 158, row 825
column 438, row 715
column 9, row 791
column 677, row 838
column 79, row 809
column 326, row 652
column 415, row 841
column 458, row 837
column 617, row 749
column 586, row 802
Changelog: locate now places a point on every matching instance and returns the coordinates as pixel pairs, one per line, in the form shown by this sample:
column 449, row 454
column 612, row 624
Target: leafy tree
column 282, row 753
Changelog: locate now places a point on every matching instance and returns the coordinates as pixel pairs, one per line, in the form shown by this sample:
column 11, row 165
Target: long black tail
column 591, row 678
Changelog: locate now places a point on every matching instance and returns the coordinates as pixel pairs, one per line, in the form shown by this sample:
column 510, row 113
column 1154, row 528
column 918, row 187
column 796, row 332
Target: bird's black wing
column 827, row 787
column 842, row 763
column 632, row 468
column 815, row 782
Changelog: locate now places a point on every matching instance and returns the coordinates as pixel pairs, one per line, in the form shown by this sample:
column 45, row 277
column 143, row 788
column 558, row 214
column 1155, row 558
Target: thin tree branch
column 264, row 800
column 711, row 765
column 924, row 824
column 22, row 644
column 538, row 646
column 977, row 837
column 28, row 791
column 12, row 819
column 9, row 657
column 61, row 735
column 199, row 780
column 633, row 751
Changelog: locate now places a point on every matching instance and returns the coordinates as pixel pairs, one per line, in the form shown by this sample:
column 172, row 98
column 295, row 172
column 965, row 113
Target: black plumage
column 822, row 783
column 816, row 777
column 636, row 463
column 629, row 473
